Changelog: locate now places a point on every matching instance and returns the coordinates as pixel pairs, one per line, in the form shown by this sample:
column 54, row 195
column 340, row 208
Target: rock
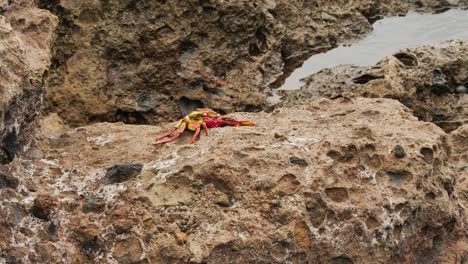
column 43, row 206
column 128, row 251
column 328, row 17
column 354, row 201
column 152, row 61
column 461, row 89
column 222, row 200
column 86, row 233
column 439, row 82
column 424, row 79
column 52, row 125
column 93, row 204
column 319, row 180
column 121, row 173
column 298, row 161
column 7, row 180
column 13, row 214
column 399, row 151
column 34, row 154
column 25, row 52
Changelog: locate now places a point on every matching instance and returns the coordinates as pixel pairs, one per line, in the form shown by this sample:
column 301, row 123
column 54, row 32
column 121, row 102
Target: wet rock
column 399, row 151
column 7, row 180
column 43, row 206
column 121, row 173
column 430, row 87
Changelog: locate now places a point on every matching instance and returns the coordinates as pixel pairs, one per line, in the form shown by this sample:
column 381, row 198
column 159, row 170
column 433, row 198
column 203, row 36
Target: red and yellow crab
column 202, row 117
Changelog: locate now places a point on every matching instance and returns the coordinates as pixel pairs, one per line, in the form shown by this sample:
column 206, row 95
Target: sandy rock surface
column 329, row 181
column 431, row 80
column 143, row 62
column 25, row 51
column 329, row 176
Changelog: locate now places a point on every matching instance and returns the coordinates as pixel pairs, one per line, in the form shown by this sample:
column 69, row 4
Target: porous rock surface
column 319, row 182
column 26, row 34
column 432, row 80
column 150, row 61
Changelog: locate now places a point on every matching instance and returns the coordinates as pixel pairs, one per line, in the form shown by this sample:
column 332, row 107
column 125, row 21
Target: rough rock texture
column 431, row 80
column 334, row 180
column 148, row 61
column 25, row 51
column 319, row 182
column 459, row 141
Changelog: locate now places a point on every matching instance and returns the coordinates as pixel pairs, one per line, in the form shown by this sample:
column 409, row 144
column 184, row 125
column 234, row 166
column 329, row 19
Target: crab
column 201, row 117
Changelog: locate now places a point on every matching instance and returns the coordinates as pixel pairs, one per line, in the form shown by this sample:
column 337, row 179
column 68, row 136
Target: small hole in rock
column 337, row 194
column 397, row 177
column 406, row 58
column 365, row 78
column 188, row 105
column 428, row 155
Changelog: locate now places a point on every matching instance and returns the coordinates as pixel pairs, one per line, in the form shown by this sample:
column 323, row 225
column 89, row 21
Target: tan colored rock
column 52, row 125
column 128, row 250
column 26, row 34
column 317, row 182
column 459, row 142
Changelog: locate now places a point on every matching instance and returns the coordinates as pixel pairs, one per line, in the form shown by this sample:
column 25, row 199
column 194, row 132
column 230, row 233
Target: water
column 389, row 35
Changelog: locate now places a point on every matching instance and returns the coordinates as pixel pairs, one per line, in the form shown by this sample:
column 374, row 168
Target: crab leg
column 195, row 136
column 168, row 133
column 205, row 127
column 177, row 134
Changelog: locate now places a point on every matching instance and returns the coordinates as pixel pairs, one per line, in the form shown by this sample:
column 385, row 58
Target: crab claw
column 178, row 131
column 227, row 121
column 247, row 123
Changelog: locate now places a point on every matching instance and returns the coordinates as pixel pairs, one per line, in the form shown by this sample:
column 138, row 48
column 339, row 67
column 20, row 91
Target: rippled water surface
column 389, row 35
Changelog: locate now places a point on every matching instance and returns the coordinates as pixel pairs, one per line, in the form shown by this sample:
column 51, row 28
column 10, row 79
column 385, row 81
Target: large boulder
column 324, row 182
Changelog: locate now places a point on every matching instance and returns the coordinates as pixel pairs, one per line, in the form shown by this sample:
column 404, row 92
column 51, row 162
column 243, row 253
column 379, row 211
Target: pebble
column 399, row 152
column 123, row 172
column 461, row 89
